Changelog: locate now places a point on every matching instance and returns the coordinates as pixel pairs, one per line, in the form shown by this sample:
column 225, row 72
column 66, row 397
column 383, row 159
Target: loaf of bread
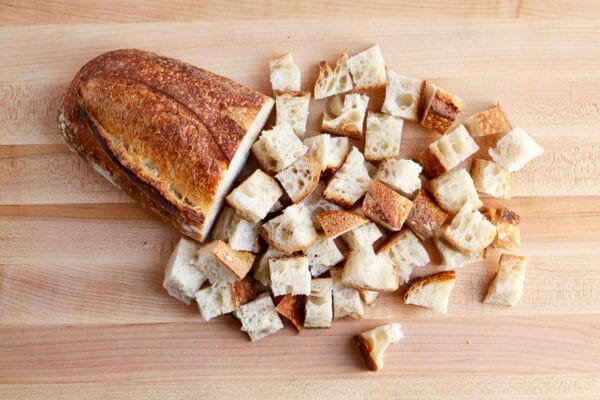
column 171, row 135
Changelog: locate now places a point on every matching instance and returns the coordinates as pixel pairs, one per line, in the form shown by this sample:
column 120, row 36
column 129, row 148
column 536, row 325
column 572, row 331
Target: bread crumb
column 469, row 341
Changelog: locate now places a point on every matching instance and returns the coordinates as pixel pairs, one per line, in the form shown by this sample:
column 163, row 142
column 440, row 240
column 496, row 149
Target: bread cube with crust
column 369, row 271
column 316, row 204
column 515, row 149
column 346, row 300
column 508, row 233
column 333, row 81
column 368, row 296
column 322, row 255
column 182, row 277
column 454, row 189
column 291, row 231
column 469, row 230
column 285, row 75
column 259, row 318
column 338, row 222
column 214, row 301
column 452, row 258
column 292, row 308
column 236, row 231
column 329, row 151
column 384, row 133
column 368, row 69
column 277, row 148
column 261, row 271
column 292, row 108
column 350, row 182
column 426, row 216
column 254, row 197
column 362, row 236
column 491, row 178
column 406, row 252
column 507, row 286
column 319, row 305
column 386, row 206
column 489, row 122
column 441, row 109
column 400, row 175
column 345, row 117
column 301, row 178
column 431, row 291
column 373, row 343
column 403, row 96
column 221, row 264
column 290, row 275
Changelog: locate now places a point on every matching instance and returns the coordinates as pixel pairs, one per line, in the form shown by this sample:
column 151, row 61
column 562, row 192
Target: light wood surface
column 82, row 310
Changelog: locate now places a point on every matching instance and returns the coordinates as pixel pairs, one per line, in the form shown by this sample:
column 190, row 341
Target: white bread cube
column 469, row 230
column 221, row 264
column 331, row 82
column 400, row 175
column 454, row 189
column 285, row 75
column 290, row 275
column 489, row 122
column 491, row 178
column 447, row 152
column 259, row 317
column 384, row 133
column 291, row 231
column 350, row 182
column 406, row 252
column 337, row 222
column 515, row 149
column 431, row 291
column 236, row 231
column 345, row 118
column 301, row 178
column 373, row 343
column 441, row 109
column 319, row 305
column 368, row 69
column 452, row 258
column 346, row 300
column 329, row 151
column 322, row 255
column 254, row 197
column 386, row 206
column 292, row 109
column 316, row 204
column 366, row 270
column 403, row 96
column 278, row 148
column 368, row 296
column 182, row 277
column 508, row 233
column 362, row 236
column 507, row 286
column 261, row 271
column 214, row 301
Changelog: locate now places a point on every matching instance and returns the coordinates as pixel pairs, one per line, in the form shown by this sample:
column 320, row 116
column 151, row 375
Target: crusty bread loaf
column 431, row 291
column 285, row 75
column 290, row 275
column 292, row 108
column 329, row 151
column 454, row 189
column 182, row 277
column 180, row 167
column 507, row 286
column 319, row 305
column 278, row 148
column 346, row 300
column 221, row 264
column 386, row 206
column 383, row 136
column 403, row 96
column 368, row 69
column 322, row 255
column 345, row 117
column 452, row 258
column 292, row 308
column 400, row 175
column 373, row 343
column 218, row 300
column 425, row 216
column 236, row 231
column 491, row 178
column 489, row 122
column 259, row 317
column 515, row 149
column 508, row 233
column 366, row 270
column 291, row 231
column 469, row 230
column 261, row 271
column 406, row 252
column 447, row 152
column 362, row 236
column 331, row 82
column 368, row 296
column 337, row 222
column 301, row 178
column 350, row 182
column 441, row 109
column 255, row 197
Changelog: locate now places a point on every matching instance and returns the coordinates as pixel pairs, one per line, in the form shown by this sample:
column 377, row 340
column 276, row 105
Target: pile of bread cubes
column 341, row 225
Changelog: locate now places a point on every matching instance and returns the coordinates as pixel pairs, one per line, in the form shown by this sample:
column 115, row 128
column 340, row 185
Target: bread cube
column 254, row 197
column 386, row 206
column 285, row 75
column 373, row 343
column 491, row 178
column 368, row 69
column 350, row 182
column 214, row 301
column 329, row 151
column 515, row 149
column 319, row 305
column 508, row 233
column 345, row 118
column 368, row 296
column 366, row 270
column 489, row 122
column 331, row 82
column 259, row 318
column 384, row 133
column 236, row 231
column 426, row 216
column 454, row 189
column 316, row 204
column 346, row 300
column 338, row 222
column 400, row 175
column 403, row 96
column 507, row 286
column 406, row 252
column 362, row 236
column 301, row 178
column 290, row 275
column 452, row 258
column 291, row 231
column 447, row 152
column 182, row 277
column 469, row 230
column 261, row 272
column 322, row 255
column 292, row 308
column 221, row 264
column 292, row 109
column 441, row 109
column 431, row 291
column 277, row 148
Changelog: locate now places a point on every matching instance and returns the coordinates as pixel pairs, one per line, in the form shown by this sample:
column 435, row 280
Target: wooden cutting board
column 82, row 310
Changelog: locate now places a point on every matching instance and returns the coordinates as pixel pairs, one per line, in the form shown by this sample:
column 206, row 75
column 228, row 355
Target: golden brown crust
column 441, row 111
column 150, row 121
column 366, row 351
column 426, row 280
column 310, row 188
column 348, row 130
column 238, row 262
column 386, row 206
column 489, row 122
column 338, row 222
column 426, row 216
column 431, row 161
column 242, row 292
column 292, row 308
column 508, row 234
